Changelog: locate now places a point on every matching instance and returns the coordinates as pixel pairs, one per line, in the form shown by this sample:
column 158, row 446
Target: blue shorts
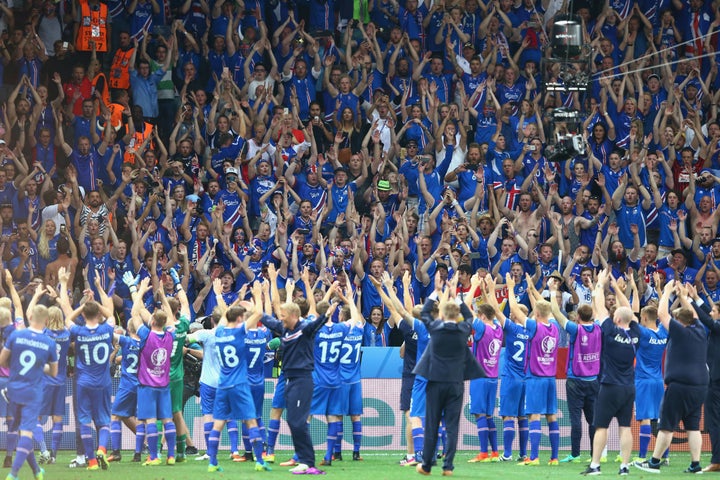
column 512, row 397
column 207, row 399
column 153, row 402
column 278, row 400
column 648, row 395
column 53, row 400
column 258, row 396
column 24, row 415
column 541, row 396
column 417, row 399
column 93, row 405
column 327, row 401
column 234, row 403
column 351, row 398
column 125, row 404
column 483, row 394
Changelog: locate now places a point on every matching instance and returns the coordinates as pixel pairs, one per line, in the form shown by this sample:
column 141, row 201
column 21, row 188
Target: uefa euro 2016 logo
column 548, row 345
column 159, row 360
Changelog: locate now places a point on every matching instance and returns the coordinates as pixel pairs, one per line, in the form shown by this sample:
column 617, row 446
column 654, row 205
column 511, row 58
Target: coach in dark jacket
column 708, row 315
column 446, row 364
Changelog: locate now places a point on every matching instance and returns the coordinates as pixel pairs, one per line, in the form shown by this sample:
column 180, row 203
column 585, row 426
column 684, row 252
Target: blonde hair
column 290, row 309
column 56, row 319
column 5, row 316
column 6, row 303
column 542, row 308
column 450, row 311
column 40, row 314
column 43, row 243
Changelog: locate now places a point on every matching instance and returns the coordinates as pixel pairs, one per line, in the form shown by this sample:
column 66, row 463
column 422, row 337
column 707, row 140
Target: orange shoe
column 495, row 457
column 481, row 457
column 289, row 463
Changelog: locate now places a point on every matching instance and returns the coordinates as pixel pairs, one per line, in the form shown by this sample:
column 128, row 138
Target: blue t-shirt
column 30, row 351
column 516, row 342
column 230, row 349
column 93, row 346
column 650, row 350
column 130, row 352
column 350, row 355
column 256, row 341
column 62, row 342
column 328, row 346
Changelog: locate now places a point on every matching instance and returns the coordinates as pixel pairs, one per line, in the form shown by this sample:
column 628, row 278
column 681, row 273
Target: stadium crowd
column 216, row 163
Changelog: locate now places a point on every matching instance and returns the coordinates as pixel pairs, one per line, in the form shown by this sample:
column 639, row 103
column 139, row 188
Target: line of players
column 531, row 346
column 528, row 386
column 232, row 380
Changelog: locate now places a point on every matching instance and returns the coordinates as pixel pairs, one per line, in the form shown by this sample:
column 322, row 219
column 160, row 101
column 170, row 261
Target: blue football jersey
column 328, row 346
column 62, row 346
column 516, row 342
column 92, row 354
column 350, row 355
column 230, row 349
column 30, row 350
column 130, row 352
column 255, row 347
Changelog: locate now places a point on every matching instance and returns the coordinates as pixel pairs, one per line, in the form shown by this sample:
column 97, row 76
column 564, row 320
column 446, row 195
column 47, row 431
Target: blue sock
column 170, row 437
column 508, row 437
column 482, row 432
column 523, row 435
column 32, row 461
column 115, row 434
column 24, row 448
column 56, row 436
column 12, row 441
column 87, row 440
column 273, row 431
column 212, row 446
column 339, row 434
column 645, row 435
column 245, row 438
column 256, row 442
column 418, row 436
column 207, row 428
column 233, row 435
column 103, row 436
column 554, row 434
column 261, row 429
column 151, row 435
column 492, row 434
column 535, row 436
column 357, row 435
column 139, row 437
column 39, row 437
column 331, row 439
column 666, row 453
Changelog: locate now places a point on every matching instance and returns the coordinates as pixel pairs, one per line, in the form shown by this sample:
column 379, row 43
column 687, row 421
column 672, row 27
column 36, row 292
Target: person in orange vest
column 120, row 68
column 143, row 130
column 98, row 80
column 92, row 26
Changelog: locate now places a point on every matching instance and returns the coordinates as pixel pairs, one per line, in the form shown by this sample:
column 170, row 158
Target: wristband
column 133, row 289
column 178, row 287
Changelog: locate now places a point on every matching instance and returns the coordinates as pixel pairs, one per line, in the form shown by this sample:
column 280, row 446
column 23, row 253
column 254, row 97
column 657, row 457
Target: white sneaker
column 44, row 457
column 299, row 468
column 76, row 463
column 203, row 457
